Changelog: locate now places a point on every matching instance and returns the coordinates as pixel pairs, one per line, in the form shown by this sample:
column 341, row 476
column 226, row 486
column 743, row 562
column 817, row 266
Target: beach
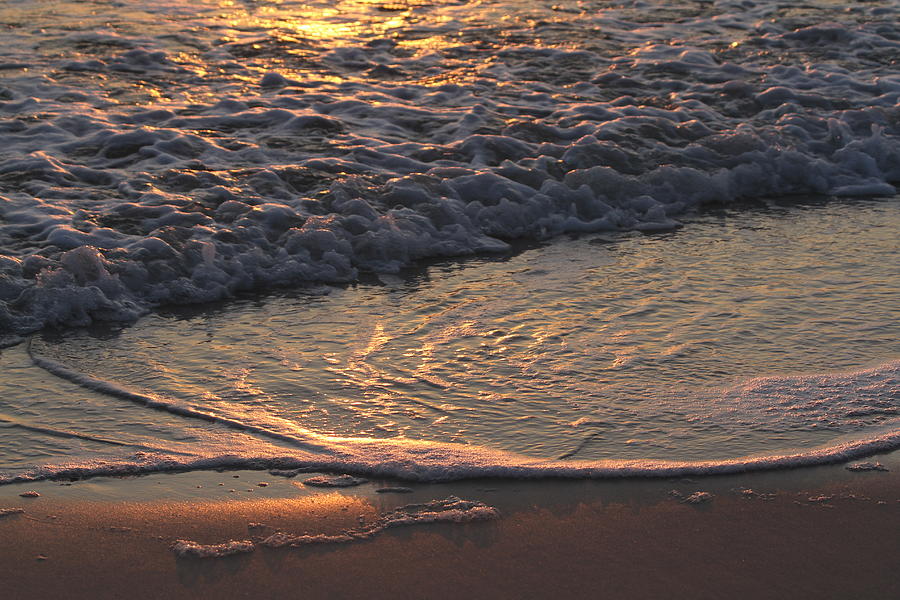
column 825, row 532
column 449, row 299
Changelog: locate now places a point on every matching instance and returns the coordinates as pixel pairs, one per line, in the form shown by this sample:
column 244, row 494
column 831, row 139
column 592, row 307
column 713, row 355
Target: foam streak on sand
column 190, row 549
column 448, row 510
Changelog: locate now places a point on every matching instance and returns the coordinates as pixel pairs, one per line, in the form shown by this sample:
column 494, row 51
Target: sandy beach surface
column 826, row 532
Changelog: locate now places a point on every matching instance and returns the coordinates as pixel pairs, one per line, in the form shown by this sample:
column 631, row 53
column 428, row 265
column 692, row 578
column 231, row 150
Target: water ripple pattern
column 751, row 338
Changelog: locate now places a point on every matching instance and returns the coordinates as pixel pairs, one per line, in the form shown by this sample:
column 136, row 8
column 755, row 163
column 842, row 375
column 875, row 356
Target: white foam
column 448, row 510
column 338, row 481
column 698, row 498
column 867, row 466
column 113, row 205
column 192, row 549
column 424, row 460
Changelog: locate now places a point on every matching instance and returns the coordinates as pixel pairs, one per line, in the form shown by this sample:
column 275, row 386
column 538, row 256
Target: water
column 161, row 154
column 737, row 336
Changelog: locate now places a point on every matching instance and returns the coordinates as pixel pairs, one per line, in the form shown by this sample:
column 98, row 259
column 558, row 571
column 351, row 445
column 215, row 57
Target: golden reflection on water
column 220, row 47
column 305, row 31
column 332, row 22
column 451, row 364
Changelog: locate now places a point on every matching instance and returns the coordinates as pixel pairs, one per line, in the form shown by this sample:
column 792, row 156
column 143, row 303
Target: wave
column 109, row 209
column 422, row 460
column 433, row 462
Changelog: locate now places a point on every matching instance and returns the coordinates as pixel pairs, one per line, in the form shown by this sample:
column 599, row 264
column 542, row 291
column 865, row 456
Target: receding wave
column 423, row 460
column 419, row 461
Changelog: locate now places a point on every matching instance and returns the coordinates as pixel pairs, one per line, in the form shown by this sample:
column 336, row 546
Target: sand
column 817, row 533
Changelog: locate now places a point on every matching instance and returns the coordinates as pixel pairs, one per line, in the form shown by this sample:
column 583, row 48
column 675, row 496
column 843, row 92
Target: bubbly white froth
column 180, row 154
column 448, row 510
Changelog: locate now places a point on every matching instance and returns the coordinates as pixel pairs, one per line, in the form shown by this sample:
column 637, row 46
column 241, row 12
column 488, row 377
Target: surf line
column 157, row 403
column 445, row 462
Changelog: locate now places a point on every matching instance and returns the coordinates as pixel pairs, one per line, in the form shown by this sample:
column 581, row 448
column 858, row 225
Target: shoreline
column 821, row 532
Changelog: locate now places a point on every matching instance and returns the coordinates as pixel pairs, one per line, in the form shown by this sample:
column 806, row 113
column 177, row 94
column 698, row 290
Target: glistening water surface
column 749, row 332
column 172, row 153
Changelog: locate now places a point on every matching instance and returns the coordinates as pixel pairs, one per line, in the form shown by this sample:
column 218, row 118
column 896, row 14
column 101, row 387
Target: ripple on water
column 704, row 344
column 165, row 153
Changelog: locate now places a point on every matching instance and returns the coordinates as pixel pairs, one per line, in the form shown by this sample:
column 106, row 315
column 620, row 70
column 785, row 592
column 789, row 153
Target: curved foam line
column 428, row 462
column 416, row 460
column 151, row 401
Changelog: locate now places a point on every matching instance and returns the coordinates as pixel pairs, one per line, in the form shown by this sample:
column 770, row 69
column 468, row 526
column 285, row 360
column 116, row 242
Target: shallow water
column 750, row 332
column 169, row 154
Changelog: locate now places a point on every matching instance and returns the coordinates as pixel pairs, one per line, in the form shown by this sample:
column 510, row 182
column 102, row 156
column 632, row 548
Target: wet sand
column 812, row 533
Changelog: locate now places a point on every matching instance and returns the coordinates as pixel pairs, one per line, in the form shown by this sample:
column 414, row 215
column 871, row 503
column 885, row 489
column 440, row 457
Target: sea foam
column 183, row 166
column 448, row 510
column 414, row 460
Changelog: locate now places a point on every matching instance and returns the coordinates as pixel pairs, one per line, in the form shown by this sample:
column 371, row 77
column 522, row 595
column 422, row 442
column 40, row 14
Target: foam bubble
column 192, row 549
column 337, row 481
